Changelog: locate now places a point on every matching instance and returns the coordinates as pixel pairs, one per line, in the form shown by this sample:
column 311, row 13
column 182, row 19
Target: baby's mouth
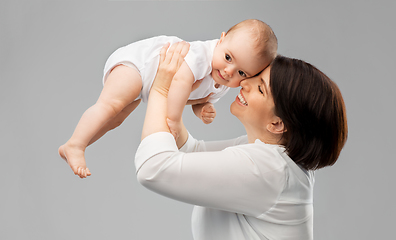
column 221, row 76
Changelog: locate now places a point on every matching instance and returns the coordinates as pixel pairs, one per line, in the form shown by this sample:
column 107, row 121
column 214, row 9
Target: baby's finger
column 207, row 120
column 208, row 114
column 209, row 108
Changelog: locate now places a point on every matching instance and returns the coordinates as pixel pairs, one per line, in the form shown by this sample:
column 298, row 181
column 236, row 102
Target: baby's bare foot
column 75, row 158
column 62, row 153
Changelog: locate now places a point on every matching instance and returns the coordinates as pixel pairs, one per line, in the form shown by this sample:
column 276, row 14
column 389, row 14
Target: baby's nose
column 229, row 71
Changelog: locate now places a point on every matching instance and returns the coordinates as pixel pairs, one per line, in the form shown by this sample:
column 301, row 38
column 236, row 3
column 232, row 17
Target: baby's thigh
column 123, row 85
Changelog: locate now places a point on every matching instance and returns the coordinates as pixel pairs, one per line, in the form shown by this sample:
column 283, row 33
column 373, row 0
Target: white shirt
column 241, row 191
column 144, row 56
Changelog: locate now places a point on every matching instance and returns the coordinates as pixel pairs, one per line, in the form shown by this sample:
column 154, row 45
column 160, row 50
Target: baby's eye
column 259, row 88
column 241, row 73
column 227, row 57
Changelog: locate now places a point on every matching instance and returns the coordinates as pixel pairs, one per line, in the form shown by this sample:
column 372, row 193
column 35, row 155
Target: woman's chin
column 232, row 108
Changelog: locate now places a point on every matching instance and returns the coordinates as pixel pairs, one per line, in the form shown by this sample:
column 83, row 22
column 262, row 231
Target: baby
column 244, row 51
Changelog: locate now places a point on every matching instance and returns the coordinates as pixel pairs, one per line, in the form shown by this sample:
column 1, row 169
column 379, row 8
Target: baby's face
column 235, row 59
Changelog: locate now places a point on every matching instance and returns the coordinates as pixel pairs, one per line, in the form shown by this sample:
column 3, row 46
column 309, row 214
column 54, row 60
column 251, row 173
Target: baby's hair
column 263, row 37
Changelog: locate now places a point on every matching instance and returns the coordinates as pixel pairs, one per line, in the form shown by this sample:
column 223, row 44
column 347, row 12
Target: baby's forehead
column 243, row 31
column 245, row 38
column 244, row 43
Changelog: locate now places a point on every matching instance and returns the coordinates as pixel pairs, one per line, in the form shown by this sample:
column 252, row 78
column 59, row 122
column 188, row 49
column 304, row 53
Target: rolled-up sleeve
column 193, row 145
column 231, row 179
column 152, row 145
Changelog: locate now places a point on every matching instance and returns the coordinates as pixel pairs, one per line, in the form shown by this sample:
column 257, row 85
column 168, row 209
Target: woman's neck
column 265, row 136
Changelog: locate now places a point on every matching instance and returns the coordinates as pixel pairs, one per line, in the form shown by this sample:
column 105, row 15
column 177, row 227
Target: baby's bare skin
column 73, row 153
column 76, row 160
column 208, row 113
column 115, row 103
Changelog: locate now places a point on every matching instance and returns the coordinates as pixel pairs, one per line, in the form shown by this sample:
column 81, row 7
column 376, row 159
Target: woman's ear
column 276, row 126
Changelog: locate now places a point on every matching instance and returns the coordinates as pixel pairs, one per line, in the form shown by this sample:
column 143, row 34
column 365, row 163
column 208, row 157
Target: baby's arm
column 205, row 111
column 179, row 92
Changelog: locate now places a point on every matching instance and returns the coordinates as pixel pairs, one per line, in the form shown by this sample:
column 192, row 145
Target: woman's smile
column 240, row 99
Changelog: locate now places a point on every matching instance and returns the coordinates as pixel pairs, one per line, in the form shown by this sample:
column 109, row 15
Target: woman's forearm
column 156, row 119
column 156, row 114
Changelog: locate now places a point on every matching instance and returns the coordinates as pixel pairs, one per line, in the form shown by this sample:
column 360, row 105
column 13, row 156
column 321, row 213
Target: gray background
column 52, row 54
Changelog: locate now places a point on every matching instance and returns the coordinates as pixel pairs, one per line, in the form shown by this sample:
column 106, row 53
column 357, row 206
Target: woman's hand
column 169, row 63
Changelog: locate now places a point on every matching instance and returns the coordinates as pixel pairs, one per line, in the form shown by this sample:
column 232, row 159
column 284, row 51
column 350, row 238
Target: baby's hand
column 208, row 113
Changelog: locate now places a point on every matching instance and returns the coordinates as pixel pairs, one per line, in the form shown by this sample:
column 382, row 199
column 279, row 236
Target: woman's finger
column 185, row 49
column 163, row 52
column 183, row 52
column 170, row 53
column 177, row 54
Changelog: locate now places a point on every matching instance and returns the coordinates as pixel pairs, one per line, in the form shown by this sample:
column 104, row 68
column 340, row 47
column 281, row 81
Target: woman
column 257, row 186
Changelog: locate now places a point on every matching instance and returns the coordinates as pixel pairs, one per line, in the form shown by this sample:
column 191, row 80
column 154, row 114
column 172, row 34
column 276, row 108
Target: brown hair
column 312, row 109
column 264, row 39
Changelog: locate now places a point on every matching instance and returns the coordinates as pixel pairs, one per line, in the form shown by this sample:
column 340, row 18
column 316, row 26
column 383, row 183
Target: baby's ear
column 223, row 34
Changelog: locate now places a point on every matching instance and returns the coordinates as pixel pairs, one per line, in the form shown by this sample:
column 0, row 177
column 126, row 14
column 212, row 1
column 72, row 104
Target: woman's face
column 254, row 105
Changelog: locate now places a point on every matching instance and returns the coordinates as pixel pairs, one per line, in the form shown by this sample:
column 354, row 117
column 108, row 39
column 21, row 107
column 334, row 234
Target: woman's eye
column 241, row 73
column 259, row 88
column 227, row 57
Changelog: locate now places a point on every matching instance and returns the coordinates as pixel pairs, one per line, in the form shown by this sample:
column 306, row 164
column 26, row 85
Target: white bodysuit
column 241, row 191
column 144, row 56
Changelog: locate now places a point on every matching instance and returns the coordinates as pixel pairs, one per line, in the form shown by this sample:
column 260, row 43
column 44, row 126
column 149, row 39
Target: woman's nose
column 244, row 84
column 248, row 83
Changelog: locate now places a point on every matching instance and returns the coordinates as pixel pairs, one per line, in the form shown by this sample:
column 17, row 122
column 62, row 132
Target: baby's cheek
column 236, row 83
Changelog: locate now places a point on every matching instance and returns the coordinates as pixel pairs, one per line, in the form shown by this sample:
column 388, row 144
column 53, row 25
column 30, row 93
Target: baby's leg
column 121, row 88
column 115, row 122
